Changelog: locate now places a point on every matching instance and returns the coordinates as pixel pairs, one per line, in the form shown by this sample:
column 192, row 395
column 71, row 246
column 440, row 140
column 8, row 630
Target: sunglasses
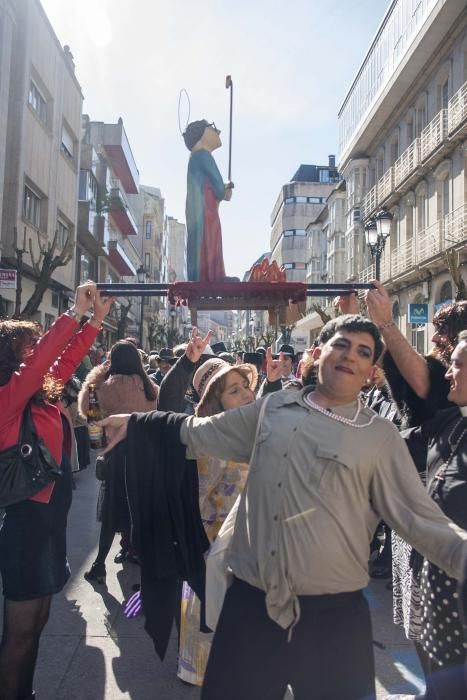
column 212, row 125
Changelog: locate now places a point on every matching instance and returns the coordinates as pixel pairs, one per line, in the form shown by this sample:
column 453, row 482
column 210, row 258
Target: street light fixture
column 377, row 230
column 141, row 274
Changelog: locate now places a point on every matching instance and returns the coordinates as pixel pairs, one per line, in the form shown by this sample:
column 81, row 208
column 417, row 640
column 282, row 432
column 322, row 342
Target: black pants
column 330, row 655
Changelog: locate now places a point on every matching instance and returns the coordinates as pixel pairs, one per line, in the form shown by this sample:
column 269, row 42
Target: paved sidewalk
column 90, row 651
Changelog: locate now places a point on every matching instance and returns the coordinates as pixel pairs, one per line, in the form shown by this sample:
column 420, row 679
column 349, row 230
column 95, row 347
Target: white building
column 403, row 130
column 40, row 124
column 298, row 204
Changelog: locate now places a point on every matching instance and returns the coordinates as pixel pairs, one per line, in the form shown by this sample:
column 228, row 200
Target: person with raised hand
column 34, row 367
column 324, row 469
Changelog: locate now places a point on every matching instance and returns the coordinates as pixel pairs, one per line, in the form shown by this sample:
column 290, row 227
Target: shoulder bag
column 27, row 467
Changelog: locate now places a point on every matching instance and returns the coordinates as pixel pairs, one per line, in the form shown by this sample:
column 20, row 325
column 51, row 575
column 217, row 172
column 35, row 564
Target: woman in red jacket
column 33, row 563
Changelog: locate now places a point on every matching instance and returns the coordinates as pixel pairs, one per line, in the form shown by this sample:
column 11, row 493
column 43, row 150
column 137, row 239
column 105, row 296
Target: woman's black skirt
column 33, row 560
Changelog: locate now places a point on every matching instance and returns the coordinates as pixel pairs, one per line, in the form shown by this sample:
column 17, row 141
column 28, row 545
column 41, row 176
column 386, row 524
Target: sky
column 291, row 63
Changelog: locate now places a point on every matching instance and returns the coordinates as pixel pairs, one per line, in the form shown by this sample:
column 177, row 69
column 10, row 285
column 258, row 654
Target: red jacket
column 65, row 341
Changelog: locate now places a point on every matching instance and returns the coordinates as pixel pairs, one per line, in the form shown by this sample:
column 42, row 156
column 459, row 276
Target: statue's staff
column 229, row 84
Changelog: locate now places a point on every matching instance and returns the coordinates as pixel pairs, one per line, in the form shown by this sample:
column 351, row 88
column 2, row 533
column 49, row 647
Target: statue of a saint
column 205, row 189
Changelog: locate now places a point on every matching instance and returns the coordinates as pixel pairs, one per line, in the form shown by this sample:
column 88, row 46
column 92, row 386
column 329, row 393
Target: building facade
column 40, row 125
column 403, row 147
column 299, row 202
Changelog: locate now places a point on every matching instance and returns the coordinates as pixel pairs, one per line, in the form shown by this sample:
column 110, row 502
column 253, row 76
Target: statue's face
column 211, row 137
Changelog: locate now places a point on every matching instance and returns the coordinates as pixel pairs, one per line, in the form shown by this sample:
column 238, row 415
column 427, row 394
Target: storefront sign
column 418, row 313
column 7, row 279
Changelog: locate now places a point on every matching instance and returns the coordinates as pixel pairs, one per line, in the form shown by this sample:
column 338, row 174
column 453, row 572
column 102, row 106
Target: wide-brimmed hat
column 287, row 350
column 167, row 355
column 218, row 347
column 212, row 370
column 255, row 358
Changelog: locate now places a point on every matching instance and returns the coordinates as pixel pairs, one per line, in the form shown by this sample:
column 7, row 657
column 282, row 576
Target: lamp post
column 173, row 315
column 141, row 274
column 377, row 230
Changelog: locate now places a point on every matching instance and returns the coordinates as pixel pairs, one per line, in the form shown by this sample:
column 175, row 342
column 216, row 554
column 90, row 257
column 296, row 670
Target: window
column 32, row 207
column 88, row 188
column 418, row 337
column 301, row 200
column 86, row 268
column 446, row 207
column 357, row 215
column 445, row 95
column 48, row 320
column 147, row 261
column 324, row 176
column 55, row 300
column 148, row 227
column 445, row 294
column 289, row 200
column 67, row 145
column 37, row 102
column 315, row 200
column 62, row 236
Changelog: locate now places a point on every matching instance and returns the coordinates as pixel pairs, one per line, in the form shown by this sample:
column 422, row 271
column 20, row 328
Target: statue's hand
column 228, row 187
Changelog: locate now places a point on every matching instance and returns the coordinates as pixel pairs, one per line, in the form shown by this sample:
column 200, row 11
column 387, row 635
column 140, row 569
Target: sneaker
column 96, row 573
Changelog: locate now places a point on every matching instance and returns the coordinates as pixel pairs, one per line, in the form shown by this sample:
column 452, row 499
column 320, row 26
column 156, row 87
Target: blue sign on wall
column 418, row 313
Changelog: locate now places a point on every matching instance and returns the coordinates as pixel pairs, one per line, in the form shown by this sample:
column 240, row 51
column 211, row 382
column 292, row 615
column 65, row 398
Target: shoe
column 121, row 556
column 96, row 573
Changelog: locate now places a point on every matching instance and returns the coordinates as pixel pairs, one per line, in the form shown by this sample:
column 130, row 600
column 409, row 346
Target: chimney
column 332, row 161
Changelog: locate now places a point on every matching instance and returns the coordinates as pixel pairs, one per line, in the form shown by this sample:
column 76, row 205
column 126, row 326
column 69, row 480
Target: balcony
column 457, row 111
column 370, row 202
column 403, row 258
column 118, row 151
column 407, row 163
column 120, row 260
column 90, row 228
column 430, row 242
column 446, row 233
column 455, row 227
column 120, row 211
column 385, row 185
column 434, row 134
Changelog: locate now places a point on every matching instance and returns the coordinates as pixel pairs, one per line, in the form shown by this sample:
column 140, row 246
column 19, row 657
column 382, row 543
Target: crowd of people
column 252, row 490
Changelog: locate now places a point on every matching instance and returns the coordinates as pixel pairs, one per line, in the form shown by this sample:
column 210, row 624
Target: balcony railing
column 430, row 241
column 455, row 226
column 457, row 109
column 407, row 162
column 367, row 274
column 434, row 134
column 385, row 185
column 442, row 235
column 370, row 201
column 403, row 257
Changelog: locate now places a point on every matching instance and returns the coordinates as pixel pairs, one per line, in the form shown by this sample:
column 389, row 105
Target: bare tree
column 43, row 266
column 122, row 321
column 452, row 258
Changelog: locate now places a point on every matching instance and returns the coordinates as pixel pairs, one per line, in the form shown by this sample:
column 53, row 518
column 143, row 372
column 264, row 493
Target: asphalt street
column 90, row 651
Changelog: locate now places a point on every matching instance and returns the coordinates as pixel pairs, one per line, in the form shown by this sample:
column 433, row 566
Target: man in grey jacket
column 323, row 471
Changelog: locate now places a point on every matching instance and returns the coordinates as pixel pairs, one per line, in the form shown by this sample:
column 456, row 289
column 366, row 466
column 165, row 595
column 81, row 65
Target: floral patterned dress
column 220, row 483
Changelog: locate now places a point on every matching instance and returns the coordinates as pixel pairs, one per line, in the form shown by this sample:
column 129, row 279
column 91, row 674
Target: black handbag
column 27, row 467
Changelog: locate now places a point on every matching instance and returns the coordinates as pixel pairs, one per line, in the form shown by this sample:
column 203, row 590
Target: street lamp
column 377, row 230
column 141, row 274
column 173, row 315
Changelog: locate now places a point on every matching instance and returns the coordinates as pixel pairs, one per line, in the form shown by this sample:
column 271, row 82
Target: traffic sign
column 7, row 279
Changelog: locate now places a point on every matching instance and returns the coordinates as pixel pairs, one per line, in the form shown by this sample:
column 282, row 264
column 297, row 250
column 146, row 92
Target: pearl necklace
column 352, row 422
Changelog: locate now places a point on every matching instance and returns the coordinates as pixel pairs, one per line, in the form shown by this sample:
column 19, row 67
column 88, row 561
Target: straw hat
column 214, row 368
